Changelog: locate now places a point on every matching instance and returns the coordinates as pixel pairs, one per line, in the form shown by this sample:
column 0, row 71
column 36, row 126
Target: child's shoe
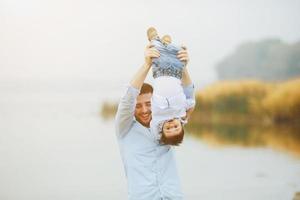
column 166, row 39
column 152, row 33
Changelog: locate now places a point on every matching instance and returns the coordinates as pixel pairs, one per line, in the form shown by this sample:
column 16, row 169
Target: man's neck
column 143, row 124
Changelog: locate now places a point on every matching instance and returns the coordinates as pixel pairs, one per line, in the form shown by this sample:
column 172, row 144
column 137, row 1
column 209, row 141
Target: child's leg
column 152, row 33
column 166, row 39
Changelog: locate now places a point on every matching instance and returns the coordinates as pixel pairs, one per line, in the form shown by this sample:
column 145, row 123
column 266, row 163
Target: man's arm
column 125, row 113
column 140, row 76
column 187, row 84
column 189, row 91
column 186, row 79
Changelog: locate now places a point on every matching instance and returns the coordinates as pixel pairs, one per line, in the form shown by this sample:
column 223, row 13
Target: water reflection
column 285, row 138
column 282, row 138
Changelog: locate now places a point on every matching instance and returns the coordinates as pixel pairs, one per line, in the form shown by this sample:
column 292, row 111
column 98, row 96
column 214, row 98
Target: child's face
column 172, row 127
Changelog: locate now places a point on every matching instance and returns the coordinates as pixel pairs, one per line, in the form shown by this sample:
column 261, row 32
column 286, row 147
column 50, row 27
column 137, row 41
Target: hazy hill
column 267, row 60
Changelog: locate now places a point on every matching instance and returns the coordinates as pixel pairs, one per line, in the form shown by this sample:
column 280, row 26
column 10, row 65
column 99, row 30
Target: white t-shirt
column 167, row 86
column 168, row 102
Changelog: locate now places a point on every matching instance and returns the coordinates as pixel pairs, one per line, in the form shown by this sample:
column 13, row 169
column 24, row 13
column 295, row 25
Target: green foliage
column 237, row 104
column 236, row 101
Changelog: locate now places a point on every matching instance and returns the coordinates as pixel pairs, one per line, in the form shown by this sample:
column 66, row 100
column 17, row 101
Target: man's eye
column 176, row 126
column 168, row 128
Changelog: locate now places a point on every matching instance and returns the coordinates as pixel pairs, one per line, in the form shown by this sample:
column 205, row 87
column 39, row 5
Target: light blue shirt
column 150, row 168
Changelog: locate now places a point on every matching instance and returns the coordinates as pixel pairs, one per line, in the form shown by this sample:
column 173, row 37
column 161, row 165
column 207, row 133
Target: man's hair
column 172, row 140
column 146, row 88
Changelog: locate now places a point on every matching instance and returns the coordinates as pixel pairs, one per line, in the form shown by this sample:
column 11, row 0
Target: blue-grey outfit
column 150, row 167
column 167, row 64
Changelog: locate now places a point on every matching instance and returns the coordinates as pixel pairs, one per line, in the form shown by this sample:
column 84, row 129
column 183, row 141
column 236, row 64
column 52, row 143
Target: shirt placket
column 158, row 172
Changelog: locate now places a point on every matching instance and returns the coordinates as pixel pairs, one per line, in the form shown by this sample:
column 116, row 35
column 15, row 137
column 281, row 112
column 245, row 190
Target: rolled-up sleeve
column 189, row 92
column 125, row 113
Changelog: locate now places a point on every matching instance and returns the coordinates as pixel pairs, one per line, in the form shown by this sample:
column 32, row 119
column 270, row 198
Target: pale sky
column 105, row 40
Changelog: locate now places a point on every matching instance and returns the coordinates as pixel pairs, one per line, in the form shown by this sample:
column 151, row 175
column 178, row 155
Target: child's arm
column 189, row 113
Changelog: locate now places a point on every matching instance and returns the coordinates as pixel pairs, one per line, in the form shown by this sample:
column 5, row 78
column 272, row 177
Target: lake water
column 55, row 145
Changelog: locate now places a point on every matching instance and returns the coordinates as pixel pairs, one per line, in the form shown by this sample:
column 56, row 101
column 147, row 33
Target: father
column 149, row 166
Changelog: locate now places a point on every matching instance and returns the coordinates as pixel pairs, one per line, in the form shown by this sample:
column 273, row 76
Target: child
column 169, row 103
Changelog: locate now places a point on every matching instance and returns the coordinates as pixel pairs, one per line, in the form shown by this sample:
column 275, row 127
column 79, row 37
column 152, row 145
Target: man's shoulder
column 137, row 127
column 134, row 127
column 123, row 133
column 137, row 132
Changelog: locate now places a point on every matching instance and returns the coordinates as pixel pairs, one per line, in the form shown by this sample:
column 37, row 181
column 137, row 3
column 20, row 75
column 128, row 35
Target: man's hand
column 183, row 55
column 150, row 53
column 140, row 76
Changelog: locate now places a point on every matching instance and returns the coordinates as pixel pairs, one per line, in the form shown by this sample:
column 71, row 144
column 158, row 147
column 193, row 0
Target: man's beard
column 146, row 124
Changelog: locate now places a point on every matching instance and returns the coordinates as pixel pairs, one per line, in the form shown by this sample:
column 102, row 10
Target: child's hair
column 172, row 140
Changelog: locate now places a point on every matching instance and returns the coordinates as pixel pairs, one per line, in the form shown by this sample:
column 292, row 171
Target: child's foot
column 166, row 39
column 151, row 33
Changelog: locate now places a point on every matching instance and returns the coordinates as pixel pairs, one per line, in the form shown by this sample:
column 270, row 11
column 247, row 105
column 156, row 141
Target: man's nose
column 144, row 109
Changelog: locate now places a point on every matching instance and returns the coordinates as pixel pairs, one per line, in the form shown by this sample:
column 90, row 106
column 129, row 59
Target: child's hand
column 150, row 53
column 183, row 55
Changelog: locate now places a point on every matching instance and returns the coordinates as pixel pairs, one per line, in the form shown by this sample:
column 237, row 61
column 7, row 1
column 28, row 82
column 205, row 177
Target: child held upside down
column 170, row 106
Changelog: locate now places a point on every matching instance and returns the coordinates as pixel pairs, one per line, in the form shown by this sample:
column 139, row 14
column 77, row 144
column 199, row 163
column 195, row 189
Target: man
column 149, row 166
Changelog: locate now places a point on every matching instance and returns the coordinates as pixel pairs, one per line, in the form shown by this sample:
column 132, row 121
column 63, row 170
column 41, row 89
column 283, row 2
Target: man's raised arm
column 126, row 109
column 189, row 91
column 187, row 84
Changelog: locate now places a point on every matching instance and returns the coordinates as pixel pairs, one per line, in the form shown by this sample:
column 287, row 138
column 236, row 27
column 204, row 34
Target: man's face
column 143, row 109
